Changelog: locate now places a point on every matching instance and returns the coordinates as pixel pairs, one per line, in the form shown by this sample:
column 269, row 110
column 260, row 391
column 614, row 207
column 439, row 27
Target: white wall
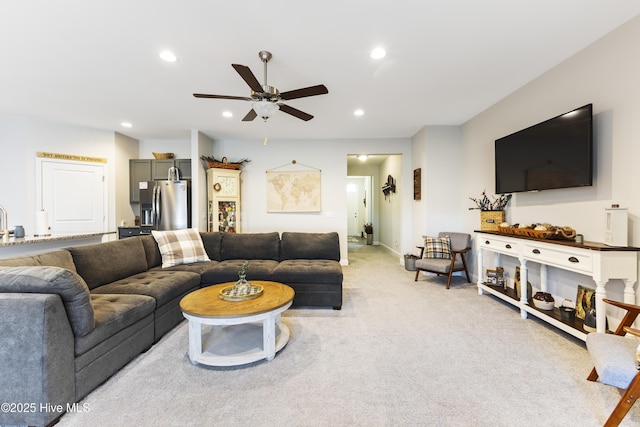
column 125, row 148
column 201, row 145
column 180, row 147
column 605, row 74
column 18, row 171
column 330, row 156
column 391, row 206
column 437, row 151
column 21, row 139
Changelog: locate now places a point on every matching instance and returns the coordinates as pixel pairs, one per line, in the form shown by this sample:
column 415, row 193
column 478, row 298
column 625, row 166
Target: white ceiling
column 96, row 64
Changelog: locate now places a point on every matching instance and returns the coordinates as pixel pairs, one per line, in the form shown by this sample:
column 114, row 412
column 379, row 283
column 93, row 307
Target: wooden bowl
column 163, row 156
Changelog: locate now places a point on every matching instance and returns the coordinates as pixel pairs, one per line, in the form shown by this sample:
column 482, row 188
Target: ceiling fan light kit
column 265, row 109
column 266, row 99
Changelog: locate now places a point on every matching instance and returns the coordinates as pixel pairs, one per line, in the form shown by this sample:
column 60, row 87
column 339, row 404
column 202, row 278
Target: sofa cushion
column 113, row 313
column 308, row 271
column 227, row 271
column 57, row 258
column 196, row 267
column 247, row 246
column 53, row 280
column 212, row 242
column 107, row 262
column 439, row 265
column 154, row 257
column 180, row 247
column 296, row 245
column 160, row 284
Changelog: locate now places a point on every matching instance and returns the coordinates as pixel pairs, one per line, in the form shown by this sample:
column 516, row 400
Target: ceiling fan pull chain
column 266, row 139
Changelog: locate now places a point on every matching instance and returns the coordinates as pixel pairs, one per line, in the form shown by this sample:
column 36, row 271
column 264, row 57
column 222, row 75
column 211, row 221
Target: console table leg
column 524, row 279
column 479, row 261
column 543, row 278
column 601, row 309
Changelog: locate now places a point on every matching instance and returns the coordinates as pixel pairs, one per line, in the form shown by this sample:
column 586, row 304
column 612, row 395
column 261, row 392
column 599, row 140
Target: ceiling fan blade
column 248, row 77
column 304, row 92
column 250, row 116
column 206, row 95
column 295, row 112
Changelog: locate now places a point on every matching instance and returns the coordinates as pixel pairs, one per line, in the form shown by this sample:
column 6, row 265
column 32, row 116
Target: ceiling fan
column 266, row 99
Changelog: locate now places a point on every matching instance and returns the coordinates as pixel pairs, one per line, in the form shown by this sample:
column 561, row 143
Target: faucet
column 5, row 224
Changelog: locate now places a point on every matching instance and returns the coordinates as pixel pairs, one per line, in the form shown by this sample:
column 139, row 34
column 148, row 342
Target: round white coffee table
column 241, row 331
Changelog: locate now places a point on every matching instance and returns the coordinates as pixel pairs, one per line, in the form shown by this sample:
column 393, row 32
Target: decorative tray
column 558, row 234
column 529, row 232
column 232, row 293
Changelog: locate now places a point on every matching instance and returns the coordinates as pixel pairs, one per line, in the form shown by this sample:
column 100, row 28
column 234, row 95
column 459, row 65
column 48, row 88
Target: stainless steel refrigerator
column 165, row 205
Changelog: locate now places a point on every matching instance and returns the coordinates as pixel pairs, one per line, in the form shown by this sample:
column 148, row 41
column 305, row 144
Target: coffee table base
column 238, row 340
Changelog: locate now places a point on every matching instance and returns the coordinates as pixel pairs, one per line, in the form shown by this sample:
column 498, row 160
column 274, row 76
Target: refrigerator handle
column 155, row 207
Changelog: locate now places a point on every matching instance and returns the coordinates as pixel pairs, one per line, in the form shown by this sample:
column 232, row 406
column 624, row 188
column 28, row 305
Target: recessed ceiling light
column 227, row 114
column 126, row 124
column 358, row 112
column 378, row 53
column 168, row 56
column 362, row 157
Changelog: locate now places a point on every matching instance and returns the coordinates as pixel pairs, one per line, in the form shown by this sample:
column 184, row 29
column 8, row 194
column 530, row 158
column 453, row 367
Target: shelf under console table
column 599, row 261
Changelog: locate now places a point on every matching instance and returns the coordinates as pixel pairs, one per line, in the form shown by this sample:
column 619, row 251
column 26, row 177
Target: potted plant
column 491, row 211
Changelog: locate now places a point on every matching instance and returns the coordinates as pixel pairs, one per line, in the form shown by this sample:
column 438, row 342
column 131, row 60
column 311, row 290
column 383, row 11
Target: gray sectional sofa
column 71, row 318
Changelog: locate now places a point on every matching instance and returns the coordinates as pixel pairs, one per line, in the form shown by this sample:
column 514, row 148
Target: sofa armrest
column 53, row 280
column 36, row 358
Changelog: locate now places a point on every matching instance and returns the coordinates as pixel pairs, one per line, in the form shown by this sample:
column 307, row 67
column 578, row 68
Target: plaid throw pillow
column 180, row 247
column 437, row 247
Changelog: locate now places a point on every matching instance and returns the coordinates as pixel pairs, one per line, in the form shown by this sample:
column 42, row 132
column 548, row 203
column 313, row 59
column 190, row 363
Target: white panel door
column 352, row 208
column 73, row 194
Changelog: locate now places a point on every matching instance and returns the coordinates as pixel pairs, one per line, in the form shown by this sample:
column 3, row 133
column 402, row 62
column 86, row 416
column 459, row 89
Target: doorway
column 359, row 204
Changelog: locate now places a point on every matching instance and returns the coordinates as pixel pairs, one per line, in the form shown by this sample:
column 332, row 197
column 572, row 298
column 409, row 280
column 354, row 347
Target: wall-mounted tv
column 557, row 153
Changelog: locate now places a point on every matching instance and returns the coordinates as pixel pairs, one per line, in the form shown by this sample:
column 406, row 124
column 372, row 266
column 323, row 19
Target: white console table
column 596, row 260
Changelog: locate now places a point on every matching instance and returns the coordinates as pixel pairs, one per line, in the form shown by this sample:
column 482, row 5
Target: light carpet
column 398, row 353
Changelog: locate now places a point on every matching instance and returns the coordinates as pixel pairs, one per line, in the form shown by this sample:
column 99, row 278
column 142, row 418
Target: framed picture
column 496, row 277
column 585, row 301
column 417, row 184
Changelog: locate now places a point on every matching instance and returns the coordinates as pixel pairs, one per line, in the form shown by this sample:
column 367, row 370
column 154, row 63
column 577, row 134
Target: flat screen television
column 557, row 153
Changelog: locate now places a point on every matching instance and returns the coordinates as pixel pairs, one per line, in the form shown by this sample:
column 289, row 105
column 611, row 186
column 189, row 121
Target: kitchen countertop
column 13, row 241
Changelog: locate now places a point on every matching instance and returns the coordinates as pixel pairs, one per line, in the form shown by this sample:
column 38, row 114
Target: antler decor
column 485, row 204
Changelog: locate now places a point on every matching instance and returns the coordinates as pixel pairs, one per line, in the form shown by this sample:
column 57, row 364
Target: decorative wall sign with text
column 72, row 157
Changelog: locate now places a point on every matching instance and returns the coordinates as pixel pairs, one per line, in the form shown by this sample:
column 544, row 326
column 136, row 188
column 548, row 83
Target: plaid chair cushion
column 180, row 247
column 437, row 247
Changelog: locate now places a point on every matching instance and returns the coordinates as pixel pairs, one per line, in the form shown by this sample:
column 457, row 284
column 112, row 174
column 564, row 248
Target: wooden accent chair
column 460, row 244
column 615, row 360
